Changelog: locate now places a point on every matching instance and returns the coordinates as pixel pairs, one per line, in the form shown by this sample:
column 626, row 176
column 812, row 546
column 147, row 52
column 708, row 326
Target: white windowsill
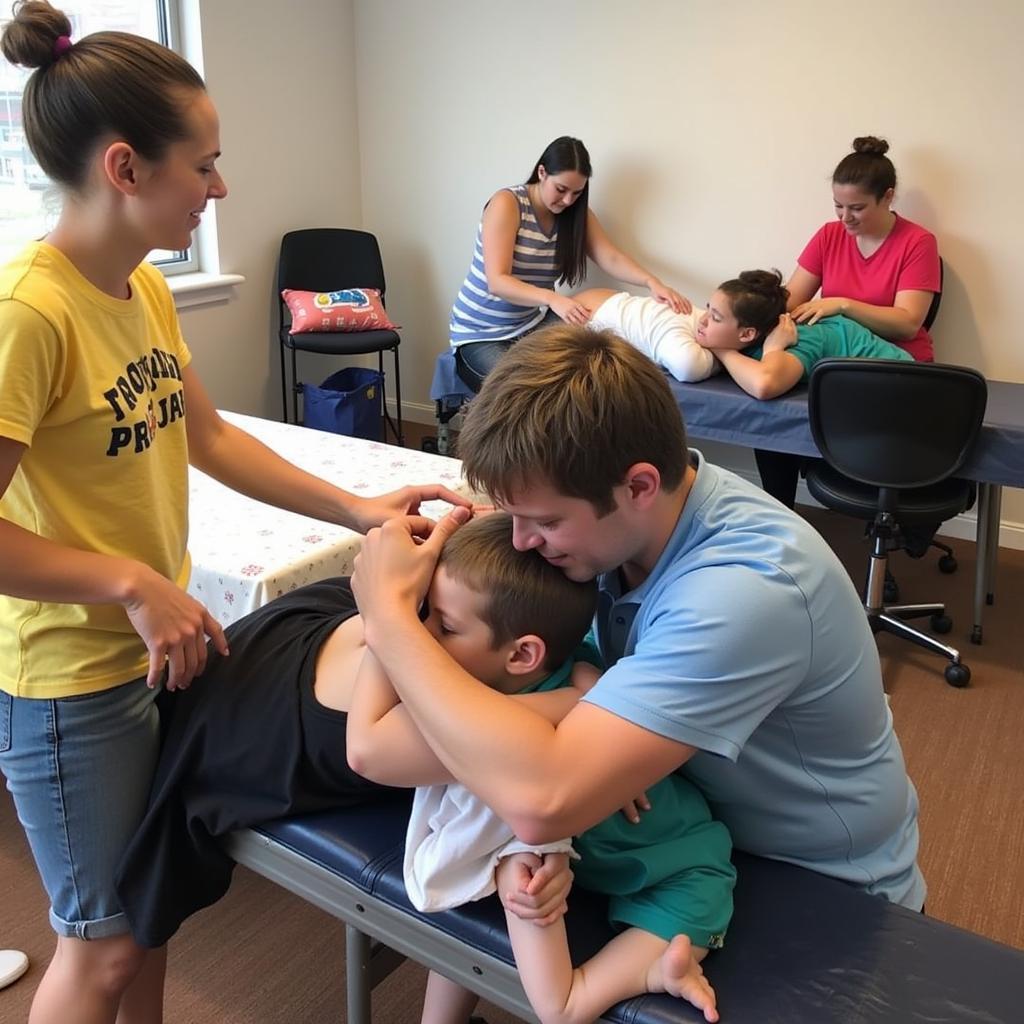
column 202, row 289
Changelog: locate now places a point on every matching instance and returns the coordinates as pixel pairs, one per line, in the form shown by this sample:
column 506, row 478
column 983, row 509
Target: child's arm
column 772, row 375
column 381, row 741
column 384, row 744
column 583, row 677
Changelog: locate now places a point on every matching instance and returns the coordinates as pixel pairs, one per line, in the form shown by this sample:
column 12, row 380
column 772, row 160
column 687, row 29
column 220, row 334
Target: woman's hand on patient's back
column 570, row 310
column 174, row 627
column 670, row 297
column 817, row 309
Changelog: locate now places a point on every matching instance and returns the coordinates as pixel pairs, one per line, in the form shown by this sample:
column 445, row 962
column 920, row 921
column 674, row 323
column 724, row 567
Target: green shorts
column 668, row 875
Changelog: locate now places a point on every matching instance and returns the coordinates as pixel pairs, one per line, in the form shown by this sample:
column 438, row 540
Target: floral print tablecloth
column 245, row 553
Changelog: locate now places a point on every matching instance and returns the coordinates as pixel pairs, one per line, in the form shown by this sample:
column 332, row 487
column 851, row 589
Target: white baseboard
column 964, row 527
column 415, row 412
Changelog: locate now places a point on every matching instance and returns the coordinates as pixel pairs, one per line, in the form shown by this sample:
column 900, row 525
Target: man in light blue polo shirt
column 748, row 642
column 736, row 645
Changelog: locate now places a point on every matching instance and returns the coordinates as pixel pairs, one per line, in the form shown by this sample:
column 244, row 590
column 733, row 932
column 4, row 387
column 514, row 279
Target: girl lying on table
column 745, row 328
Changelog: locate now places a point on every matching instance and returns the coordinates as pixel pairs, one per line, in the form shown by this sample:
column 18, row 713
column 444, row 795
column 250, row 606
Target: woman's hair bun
column 870, row 145
column 29, row 37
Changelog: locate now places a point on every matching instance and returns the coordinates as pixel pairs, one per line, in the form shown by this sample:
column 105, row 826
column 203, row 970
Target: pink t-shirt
column 908, row 260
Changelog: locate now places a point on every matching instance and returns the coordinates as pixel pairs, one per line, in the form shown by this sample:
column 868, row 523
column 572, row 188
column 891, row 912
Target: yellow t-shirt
column 92, row 384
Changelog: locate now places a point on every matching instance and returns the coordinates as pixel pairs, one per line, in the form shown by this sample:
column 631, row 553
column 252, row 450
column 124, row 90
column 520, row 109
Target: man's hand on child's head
column 396, row 562
column 541, row 888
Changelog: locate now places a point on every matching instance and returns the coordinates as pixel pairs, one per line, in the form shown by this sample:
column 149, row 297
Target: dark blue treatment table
column 802, row 948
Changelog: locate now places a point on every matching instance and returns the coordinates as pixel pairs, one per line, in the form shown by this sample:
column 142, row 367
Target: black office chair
column 892, row 434
column 917, row 546
column 330, row 259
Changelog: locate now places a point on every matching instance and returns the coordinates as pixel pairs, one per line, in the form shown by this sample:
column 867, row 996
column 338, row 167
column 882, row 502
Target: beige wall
column 713, row 126
column 284, row 82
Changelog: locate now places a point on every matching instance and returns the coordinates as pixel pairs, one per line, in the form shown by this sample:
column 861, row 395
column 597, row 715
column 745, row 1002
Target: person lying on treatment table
column 748, row 313
column 761, row 347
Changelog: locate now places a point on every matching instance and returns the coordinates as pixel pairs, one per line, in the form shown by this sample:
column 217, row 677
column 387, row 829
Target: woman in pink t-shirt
column 872, row 265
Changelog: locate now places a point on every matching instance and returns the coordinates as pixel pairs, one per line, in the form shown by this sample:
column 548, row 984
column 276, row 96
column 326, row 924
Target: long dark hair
column 568, row 154
column 109, row 83
column 867, row 167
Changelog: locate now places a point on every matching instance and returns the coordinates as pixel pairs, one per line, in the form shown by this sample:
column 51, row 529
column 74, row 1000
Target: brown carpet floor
column 263, row 956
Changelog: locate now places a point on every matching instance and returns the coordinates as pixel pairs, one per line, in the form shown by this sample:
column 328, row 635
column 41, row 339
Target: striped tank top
column 480, row 316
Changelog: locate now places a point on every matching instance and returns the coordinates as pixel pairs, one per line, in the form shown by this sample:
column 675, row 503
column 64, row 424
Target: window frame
column 185, row 261
column 170, row 20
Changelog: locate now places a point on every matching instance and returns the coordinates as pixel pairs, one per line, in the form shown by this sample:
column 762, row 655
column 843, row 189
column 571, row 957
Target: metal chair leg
column 385, row 415
column 397, row 431
column 284, row 385
column 295, row 389
column 398, row 398
column 899, row 628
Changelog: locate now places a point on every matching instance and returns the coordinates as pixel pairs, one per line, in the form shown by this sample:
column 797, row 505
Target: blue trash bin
column 348, row 402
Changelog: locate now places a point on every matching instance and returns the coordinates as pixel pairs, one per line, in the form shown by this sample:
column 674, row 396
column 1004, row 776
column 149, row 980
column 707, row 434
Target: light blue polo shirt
column 749, row 642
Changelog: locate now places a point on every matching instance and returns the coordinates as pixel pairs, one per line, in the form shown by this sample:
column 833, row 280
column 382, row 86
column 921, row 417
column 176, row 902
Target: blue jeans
column 475, row 359
column 80, row 770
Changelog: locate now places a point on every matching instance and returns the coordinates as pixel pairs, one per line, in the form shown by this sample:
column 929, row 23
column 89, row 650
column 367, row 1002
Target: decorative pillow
column 350, row 309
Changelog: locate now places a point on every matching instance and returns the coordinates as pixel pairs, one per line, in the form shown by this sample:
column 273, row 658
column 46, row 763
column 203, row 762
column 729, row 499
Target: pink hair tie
column 61, row 45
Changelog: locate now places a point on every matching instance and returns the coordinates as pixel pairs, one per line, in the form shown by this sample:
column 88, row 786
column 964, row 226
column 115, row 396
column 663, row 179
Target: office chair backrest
column 894, row 424
column 933, row 309
column 329, row 259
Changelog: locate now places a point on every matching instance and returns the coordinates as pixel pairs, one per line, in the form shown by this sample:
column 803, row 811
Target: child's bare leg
column 632, row 963
column 446, row 1001
column 541, row 953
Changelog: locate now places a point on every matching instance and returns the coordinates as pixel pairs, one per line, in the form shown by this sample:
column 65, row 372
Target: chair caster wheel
column 891, row 592
column 941, row 623
column 429, row 444
column 947, row 564
column 976, row 635
column 958, row 675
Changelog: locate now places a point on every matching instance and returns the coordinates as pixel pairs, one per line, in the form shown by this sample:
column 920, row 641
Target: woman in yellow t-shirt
column 100, row 414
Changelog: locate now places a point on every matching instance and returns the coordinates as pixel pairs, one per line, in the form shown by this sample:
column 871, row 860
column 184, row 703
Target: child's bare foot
column 678, row 973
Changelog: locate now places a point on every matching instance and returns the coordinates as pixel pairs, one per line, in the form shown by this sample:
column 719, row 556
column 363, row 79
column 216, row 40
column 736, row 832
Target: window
column 29, row 204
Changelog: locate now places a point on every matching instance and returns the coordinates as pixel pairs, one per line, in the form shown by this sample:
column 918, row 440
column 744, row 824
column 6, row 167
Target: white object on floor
column 13, row 964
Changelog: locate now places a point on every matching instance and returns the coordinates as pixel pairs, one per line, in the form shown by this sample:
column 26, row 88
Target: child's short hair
column 523, row 592
column 572, row 408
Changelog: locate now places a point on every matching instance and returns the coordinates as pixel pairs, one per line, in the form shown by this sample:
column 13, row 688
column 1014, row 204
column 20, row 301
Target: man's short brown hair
column 522, row 592
column 573, row 408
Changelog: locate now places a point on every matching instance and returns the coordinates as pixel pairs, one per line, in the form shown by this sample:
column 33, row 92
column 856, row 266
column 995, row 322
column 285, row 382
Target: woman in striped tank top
column 532, row 237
